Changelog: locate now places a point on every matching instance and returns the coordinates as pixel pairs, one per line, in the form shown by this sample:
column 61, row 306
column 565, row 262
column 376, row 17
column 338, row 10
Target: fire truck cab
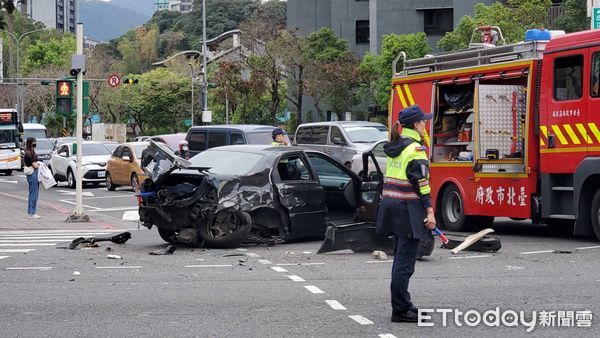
column 515, row 131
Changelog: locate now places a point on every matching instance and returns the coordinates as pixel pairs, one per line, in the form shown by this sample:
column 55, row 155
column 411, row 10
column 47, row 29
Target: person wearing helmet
column 183, row 151
column 279, row 138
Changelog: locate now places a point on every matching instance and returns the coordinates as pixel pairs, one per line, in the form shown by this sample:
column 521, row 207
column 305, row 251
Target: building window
column 568, row 78
column 437, row 21
column 362, row 32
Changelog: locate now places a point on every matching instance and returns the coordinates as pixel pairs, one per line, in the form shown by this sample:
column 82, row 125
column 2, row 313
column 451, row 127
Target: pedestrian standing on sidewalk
column 406, row 211
column 31, row 170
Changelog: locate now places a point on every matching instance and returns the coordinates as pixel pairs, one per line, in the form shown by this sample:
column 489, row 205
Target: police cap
column 412, row 114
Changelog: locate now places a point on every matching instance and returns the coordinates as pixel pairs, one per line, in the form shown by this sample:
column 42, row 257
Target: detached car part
column 118, row 239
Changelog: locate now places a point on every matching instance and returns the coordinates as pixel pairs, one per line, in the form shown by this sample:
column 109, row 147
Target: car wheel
column 70, row 179
column 596, row 214
column 109, row 183
column 228, row 229
column 167, row 236
column 134, row 183
column 452, row 210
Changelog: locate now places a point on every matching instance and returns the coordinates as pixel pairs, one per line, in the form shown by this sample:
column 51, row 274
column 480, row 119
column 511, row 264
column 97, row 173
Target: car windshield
column 263, row 137
column 92, row 149
column 37, row 133
column 366, row 134
column 139, row 149
column 226, row 162
column 44, row 145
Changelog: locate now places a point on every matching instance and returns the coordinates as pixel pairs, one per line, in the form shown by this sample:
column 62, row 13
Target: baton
column 440, row 234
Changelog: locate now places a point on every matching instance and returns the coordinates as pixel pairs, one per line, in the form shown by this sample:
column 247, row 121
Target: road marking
column 380, row 261
column 59, row 235
column 335, row 304
column 588, row 247
column 313, row 289
column 208, row 266
column 253, row 255
column 2, row 257
column 361, row 320
column 467, row 257
column 83, row 205
column 120, row 267
column 16, row 250
column 73, row 193
column 305, row 264
column 31, row 268
column 278, row 269
column 97, row 198
column 132, row 216
column 296, row 278
column 387, row 335
column 56, row 232
column 27, row 244
column 2, row 241
column 264, row 261
column 535, row 252
column 2, row 180
column 114, row 209
column 49, row 238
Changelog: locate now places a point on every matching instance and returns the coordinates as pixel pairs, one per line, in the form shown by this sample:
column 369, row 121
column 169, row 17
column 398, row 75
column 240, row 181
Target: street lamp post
column 192, row 80
column 204, row 51
column 18, row 45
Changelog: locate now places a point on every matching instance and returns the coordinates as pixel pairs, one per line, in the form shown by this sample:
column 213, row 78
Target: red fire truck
column 515, row 131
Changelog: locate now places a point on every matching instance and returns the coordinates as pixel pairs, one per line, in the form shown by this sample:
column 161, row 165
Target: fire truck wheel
column 452, row 210
column 596, row 214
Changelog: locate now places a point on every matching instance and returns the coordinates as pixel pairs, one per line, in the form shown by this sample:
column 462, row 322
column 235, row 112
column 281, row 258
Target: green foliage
column 514, row 19
column 378, row 68
column 323, row 45
column 574, row 18
column 55, row 51
column 292, row 123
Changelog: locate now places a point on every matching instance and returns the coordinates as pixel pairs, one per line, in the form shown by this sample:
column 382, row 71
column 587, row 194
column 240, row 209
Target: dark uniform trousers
column 405, row 257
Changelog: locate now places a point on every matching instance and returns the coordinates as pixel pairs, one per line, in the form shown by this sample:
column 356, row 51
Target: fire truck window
column 568, row 78
column 595, row 84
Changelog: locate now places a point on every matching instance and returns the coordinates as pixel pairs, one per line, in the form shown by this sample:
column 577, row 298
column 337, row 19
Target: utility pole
column 204, row 51
column 78, row 214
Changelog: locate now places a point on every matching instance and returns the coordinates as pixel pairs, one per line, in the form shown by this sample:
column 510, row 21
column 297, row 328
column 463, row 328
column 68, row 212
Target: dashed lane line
column 386, row 261
column 469, row 257
column 27, row 244
column 588, row 247
column 2, row 241
column 264, row 261
column 296, row 278
column 278, row 269
column 334, row 304
column 113, row 209
column 120, row 267
column 535, row 252
column 55, row 232
column 16, row 250
column 2, row 257
column 386, row 335
column 361, row 320
column 208, row 266
column 43, row 268
column 47, row 238
column 303, row 264
column 313, row 289
column 253, row 255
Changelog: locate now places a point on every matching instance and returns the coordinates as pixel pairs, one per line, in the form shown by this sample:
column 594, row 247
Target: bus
column 10, row 153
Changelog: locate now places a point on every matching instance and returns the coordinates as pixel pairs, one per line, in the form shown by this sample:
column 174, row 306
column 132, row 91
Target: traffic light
column 129, row 81
column 64, row 97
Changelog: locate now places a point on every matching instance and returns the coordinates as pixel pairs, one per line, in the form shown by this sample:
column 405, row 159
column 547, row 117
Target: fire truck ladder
column 481, row 54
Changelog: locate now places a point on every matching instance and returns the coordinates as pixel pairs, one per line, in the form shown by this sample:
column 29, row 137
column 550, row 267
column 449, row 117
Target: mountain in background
column 106, row 20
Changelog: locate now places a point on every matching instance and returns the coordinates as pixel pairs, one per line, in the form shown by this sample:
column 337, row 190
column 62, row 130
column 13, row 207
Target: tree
column 8, row 6
column 574, row 18
column 55, row 51
column 378, row 68
column 514, row 19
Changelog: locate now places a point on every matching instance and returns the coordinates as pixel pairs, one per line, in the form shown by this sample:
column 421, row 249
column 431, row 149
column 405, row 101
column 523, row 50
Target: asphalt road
column 284, row 290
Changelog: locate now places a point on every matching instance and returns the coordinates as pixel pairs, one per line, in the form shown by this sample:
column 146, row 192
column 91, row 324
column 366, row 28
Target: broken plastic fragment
column 379, row 255
column 114, row 257
column 165, row 251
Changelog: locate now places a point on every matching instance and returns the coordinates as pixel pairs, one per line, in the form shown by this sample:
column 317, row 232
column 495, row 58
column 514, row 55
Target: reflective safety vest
column 275, row 144
column 407, row 175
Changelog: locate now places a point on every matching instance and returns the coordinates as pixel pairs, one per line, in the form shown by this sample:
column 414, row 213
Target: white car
column 94, row 158
column 380, row 156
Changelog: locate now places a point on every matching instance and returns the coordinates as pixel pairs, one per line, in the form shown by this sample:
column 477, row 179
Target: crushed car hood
column 158, row 161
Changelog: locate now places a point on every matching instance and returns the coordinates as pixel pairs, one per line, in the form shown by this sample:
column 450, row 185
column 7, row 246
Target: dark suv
column 200, row 138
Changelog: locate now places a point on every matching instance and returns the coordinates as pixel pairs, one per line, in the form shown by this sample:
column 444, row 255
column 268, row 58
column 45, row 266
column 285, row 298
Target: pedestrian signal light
column 64, row 88
column 129, row 81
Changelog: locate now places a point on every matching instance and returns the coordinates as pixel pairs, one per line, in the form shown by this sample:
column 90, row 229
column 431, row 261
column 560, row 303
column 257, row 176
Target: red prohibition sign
column 114, row 80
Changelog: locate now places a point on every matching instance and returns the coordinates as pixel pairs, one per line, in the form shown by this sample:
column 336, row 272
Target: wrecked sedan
column 227, row 195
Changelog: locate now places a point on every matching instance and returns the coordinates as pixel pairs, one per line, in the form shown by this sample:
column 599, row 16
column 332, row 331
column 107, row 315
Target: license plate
column 101, row 173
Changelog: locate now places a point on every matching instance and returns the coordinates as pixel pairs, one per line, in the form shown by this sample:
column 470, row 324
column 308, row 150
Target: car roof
column 342, row 124
column 136, row 143
column 238, row 127
column 256, row 148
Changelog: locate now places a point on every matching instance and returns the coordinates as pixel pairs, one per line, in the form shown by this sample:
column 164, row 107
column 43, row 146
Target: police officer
column 279, row 138
column 406, row 210
column 183, row 151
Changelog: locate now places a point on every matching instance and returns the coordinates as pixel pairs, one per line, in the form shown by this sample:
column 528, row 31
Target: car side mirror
column 126, row 158
column 63, row 154
column 338, row 141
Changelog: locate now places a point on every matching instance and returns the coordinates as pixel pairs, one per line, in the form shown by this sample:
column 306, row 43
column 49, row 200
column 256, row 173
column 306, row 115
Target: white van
column 34, row 130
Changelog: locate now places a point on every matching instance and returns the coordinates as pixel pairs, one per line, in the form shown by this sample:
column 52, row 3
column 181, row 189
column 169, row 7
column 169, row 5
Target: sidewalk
column 13, row 216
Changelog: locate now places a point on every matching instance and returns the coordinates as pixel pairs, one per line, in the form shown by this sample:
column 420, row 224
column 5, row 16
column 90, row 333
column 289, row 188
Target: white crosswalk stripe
column 26, row 241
